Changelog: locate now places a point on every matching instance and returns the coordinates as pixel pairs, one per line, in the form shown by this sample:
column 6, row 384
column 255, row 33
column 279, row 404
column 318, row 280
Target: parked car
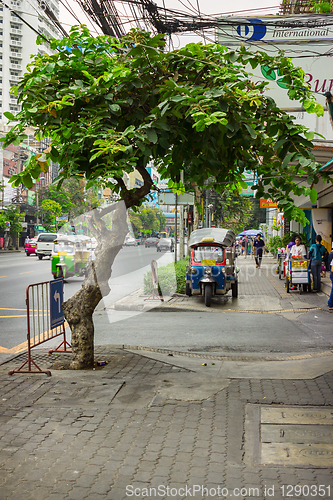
column 151, row 242
column 165, row 244
column 130, row 242
column 30, row 247
column 45, row 244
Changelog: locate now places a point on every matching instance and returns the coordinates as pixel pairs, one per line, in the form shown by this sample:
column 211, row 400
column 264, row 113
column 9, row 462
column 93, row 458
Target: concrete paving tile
column 178, row 477
column 100, row 487
column 54, row 496
column 111, row 465
column 115, row 494
column 86, row 481
column 143, row 476
column 158, row 481
column 92, row 470
column 78, row 492
column 167, row 452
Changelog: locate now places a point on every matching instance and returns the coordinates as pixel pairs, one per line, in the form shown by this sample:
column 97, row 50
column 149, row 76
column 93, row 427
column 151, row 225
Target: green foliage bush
column 274, row 243
column 168, row 276
column 277, row 242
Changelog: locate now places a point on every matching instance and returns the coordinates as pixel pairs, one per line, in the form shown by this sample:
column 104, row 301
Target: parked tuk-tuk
column 70, row 255
column 211, row 269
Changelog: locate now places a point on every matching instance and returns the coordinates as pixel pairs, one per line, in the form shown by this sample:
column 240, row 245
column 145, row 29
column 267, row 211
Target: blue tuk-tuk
column 211, row 269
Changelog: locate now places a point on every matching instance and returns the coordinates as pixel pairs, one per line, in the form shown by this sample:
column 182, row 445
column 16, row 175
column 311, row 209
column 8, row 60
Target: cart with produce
column 298, row 275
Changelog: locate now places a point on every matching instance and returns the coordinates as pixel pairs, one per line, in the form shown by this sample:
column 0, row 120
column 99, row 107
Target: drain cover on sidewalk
column 295, row 436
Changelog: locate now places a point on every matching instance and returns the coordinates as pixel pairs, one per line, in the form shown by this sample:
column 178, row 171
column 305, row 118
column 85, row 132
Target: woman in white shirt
column 298, row 250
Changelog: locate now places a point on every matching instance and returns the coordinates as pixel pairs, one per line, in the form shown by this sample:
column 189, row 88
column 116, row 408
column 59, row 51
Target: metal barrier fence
column 45, row 320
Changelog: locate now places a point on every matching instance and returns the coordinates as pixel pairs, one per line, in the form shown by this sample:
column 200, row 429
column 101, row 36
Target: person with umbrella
column 258, row 248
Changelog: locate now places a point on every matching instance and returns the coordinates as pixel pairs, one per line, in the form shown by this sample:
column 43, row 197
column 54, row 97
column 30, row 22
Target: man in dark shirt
column 258, row 247
column 330, row 266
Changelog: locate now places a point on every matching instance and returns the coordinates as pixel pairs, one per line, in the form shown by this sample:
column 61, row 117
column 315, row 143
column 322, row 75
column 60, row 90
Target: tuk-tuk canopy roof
column 213, row 236
column 72, row 238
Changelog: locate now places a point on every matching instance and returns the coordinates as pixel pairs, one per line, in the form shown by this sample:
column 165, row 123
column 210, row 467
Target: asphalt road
column 230, row 331
column 18, row 271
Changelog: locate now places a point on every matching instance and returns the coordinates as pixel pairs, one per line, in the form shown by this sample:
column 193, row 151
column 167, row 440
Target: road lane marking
column 17, row 348
column 24, row 345
column 27, row 272
column 3, row 276
column 10, row 309
column 15, row 316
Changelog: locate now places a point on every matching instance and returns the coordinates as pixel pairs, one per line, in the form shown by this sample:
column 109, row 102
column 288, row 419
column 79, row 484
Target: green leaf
column 309, row 135
column 115, row 108
column 251, row 131
column 313, row 195
column 279, row 144
column 27, row 181
column 9, row 115
column 152, row 136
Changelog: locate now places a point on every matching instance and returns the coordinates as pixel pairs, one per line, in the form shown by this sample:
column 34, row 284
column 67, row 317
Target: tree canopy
column 147, row 220
column 110, row 106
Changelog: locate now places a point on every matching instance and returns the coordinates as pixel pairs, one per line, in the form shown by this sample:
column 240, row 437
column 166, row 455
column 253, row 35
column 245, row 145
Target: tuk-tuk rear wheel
column 234, row 289
column 208, row 295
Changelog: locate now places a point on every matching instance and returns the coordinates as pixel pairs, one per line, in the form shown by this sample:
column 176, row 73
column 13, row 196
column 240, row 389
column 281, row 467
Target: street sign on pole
column 56, row 300
column 168, row 198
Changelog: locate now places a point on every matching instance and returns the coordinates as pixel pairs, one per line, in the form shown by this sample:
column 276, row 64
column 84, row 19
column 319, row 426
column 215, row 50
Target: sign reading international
column 267, row 203
column 295, row 35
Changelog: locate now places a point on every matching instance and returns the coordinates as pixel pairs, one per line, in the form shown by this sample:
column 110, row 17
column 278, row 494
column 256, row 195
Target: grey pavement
column 161, row 423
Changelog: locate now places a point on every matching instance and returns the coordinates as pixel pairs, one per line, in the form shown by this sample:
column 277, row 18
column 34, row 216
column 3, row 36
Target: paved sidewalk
column 259, row 290
column 172, row 422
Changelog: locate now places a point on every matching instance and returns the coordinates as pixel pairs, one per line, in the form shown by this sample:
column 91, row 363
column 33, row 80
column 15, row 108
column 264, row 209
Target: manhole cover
column 295, row 436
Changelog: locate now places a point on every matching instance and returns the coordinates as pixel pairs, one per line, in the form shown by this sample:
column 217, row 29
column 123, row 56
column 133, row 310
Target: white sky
column 207, row 8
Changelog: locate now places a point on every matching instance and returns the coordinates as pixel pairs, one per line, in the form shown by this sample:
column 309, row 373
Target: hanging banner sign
column 267, row 203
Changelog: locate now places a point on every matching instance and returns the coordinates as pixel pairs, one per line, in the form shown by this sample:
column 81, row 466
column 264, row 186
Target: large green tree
column 109, row 106
column 147, row 220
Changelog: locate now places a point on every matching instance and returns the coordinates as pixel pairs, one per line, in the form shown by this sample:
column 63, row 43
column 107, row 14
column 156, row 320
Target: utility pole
column 176, row 210
column 181, row 224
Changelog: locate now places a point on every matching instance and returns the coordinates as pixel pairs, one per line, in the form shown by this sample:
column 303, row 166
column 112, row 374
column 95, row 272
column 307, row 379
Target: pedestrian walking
column 317, row 251
column 243, row 245
column 246, row 244
column 330, row 267
column 258, row 248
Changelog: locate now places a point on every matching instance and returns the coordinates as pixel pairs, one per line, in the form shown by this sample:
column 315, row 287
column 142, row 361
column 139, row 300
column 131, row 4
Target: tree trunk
column 79, row 309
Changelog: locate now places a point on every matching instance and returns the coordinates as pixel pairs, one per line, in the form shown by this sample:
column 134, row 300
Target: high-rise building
column 18, row 43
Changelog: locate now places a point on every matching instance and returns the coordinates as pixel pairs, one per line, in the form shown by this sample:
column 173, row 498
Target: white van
column 45, row 244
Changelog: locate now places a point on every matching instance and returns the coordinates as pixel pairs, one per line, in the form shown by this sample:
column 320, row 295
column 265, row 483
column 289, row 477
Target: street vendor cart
column 298, row 275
